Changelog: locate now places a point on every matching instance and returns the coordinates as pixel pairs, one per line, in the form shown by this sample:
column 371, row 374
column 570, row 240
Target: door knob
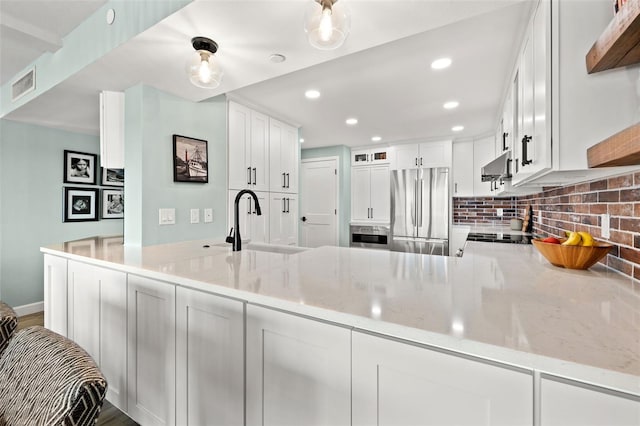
column 304, row 219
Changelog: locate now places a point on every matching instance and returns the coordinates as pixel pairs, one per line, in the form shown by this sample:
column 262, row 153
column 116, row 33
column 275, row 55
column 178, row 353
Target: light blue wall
column 344, row 194
column 88, row 42
column 31, row 189
column 152, row 117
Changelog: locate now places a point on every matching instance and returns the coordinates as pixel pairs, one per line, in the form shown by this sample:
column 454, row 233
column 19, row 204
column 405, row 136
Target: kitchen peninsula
column 272, row 335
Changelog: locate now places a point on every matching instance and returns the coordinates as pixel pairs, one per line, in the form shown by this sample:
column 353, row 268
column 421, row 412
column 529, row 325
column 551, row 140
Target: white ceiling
column 381, row 75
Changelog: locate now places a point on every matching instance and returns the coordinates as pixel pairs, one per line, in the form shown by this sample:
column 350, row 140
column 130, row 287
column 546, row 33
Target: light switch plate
column 208, row 215
column 167, row 216
column 499, row 212
column 195, row 215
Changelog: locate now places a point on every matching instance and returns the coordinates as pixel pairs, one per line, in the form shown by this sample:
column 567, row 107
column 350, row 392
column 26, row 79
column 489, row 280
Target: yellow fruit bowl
column 572, row 257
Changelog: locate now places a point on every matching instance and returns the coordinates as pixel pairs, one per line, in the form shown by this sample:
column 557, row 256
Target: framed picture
column 80, row 204
column 112, row 177
column 80, row 167
column 190, row 161
column 112, row 203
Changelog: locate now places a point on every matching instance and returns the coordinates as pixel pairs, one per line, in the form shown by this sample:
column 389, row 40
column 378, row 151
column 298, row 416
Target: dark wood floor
column 110, row 415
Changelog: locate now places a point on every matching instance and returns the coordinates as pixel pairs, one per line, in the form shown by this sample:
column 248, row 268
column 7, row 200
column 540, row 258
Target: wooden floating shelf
column 619, row 44
column 621, row 149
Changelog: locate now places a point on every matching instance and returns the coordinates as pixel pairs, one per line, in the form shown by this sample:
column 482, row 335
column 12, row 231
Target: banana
column 587, row 239
column 573, row 239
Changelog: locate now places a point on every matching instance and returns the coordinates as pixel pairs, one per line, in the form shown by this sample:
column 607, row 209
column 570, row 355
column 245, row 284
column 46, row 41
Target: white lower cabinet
column 400, row 384
column 283, row 219
column 55, row 294
column 97, row 300
column 151, row 357
column 209, row 359
column 564, row 403
column 298, row 370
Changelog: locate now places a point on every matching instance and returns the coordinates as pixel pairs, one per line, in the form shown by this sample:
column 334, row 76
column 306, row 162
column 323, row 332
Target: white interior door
column 319, row 205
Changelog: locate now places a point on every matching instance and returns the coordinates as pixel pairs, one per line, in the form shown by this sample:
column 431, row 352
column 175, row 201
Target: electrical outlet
column 195, row 215
column 604, row 224
column 499, row 212
column 167, row 216
column 208, row 215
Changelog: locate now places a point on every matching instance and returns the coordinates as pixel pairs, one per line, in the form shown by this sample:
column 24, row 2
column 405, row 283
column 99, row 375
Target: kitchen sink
column 271, row 248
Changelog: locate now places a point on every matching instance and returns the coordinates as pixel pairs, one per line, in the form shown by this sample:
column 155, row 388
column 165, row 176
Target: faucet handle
column 229, row 239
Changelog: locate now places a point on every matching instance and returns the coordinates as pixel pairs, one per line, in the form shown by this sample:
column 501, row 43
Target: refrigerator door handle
column 421, row 192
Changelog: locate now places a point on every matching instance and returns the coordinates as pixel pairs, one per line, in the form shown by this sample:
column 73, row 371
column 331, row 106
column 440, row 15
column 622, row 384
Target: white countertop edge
column 595, row 376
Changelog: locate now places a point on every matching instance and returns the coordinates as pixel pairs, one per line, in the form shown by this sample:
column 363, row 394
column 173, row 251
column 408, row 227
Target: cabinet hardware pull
column 255, row 176
column 421, row 161
column 504, row 141
column 455, row 187
column 249, row 205
column 371, row 212
column 288, row 200
column 284, row 203
column 284, row 180
column 525, row 140
column 287, row 180
column 248, row 175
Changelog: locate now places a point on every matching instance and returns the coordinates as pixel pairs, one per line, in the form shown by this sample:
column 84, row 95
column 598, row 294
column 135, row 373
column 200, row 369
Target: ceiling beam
column 46, row 39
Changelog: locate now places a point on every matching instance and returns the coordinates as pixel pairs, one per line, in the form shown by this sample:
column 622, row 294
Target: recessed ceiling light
column 301, row 140
column 376, row 138
column 457, row 128
column 277, row 58
column 451, row 105
column 441, row 63
column 352, row 121
column 312, row 94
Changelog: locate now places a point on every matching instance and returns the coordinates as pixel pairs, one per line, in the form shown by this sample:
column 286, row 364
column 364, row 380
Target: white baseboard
column 31, row 308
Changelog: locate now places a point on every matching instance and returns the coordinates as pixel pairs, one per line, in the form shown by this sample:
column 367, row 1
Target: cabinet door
column 277, row 209
column 360, row 157
column 400, row 384
column 290, row 221
column 259, row 151
column 526, row 112
column 380, row 194
column 482, row 154
column 298, row 370
column 435, row 154
column 290, row 158
column 361, row 193
column 405, row 157
column 210, row 359
column 541, row 152
column 97, row 322
column 566, row 404
column 259, row 225
column 55, row 294
column 239, row 147
column 151, row 365
column 463, row 169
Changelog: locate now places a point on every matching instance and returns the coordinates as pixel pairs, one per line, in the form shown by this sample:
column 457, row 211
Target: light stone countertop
column 502, row 302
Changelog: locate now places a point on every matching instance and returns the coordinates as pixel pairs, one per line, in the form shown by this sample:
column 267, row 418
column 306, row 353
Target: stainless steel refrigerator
column 420, row 211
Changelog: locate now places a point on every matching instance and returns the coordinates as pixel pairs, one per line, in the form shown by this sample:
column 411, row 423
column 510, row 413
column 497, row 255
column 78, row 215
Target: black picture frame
column 112, row 177
column 190, row 160
column 80, row 204
column 112, row 204
column 80, row 167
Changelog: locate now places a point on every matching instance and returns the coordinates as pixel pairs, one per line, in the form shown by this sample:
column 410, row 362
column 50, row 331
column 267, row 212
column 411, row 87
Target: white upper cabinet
column 370, row 194
column 463, row 170
column 427, row 154
column 248, row 149
column 370, row 156
column 561, row 110
column 284, row 157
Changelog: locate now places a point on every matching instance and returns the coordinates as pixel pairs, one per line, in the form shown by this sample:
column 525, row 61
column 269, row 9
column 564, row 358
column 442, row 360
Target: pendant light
column 202, row 68
column 326, row 23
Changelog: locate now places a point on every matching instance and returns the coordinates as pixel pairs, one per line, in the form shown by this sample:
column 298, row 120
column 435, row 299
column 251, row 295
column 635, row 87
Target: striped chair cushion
column 46, row 379
column 8, row 324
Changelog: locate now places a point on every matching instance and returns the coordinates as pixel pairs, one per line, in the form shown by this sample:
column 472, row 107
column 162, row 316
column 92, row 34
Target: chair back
column 48, row 380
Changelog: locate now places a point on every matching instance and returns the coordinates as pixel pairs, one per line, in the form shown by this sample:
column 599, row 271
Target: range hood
column 500, row 168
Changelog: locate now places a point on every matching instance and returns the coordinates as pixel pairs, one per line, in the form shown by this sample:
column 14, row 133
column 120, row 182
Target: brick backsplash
column 574, row 208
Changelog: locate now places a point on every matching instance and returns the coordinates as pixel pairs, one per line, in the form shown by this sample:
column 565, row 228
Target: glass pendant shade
column 203, row 69
column 326, row 23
